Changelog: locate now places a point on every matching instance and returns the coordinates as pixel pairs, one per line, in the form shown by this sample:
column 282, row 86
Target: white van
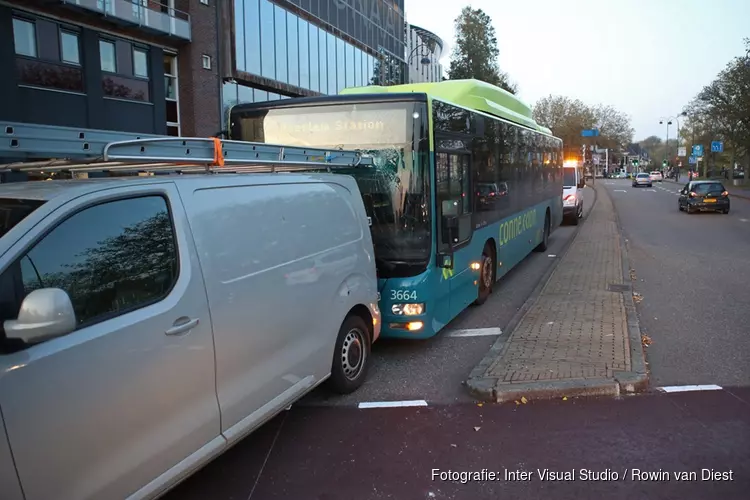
column 573, row 184
column 149, row 323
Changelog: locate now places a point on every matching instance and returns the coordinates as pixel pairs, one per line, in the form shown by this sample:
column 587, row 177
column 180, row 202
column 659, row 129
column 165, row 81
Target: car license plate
column 709, row 200
column 482, row 200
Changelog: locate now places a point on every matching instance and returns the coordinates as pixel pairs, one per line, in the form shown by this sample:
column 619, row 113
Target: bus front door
column 456, row 289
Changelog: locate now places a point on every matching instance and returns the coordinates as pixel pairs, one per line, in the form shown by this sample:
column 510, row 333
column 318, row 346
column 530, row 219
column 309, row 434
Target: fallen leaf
column 524, row 400
column 454, row 445
column 480, row 404
column 477, row 428
column 646, row 340
column 565, row 398
column 517, row 402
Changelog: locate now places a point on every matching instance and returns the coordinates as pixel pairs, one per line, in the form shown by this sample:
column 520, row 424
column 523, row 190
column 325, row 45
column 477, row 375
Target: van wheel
column 486, row 275
column 541, row 247
column 351, row 356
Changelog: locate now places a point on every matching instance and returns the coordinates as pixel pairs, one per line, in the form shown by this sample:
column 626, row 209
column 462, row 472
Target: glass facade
column 424, row 46
column 276, row 43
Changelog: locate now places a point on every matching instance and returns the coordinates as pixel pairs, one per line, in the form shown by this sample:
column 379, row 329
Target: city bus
column 461, row 186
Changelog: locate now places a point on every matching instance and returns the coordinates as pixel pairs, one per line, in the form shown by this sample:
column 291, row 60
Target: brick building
column 145, row 66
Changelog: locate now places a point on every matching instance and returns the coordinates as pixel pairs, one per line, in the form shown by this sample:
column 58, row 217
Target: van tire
column 488, row 265
column 352, row 343
column 542, row 247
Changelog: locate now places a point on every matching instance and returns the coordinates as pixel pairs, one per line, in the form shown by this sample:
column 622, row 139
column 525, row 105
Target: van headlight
column 407, row 309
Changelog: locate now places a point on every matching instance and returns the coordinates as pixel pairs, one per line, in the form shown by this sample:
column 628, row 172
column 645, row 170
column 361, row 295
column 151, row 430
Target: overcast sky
column 648, row 58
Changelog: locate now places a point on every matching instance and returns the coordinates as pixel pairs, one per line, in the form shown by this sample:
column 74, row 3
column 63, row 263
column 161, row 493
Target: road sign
column 590, row 133
column 682, row 151
column 692, row 161
column 698, row 150
column 717, row 147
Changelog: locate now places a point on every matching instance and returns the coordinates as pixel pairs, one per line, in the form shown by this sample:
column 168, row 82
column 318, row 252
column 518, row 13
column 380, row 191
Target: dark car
column 704, row 195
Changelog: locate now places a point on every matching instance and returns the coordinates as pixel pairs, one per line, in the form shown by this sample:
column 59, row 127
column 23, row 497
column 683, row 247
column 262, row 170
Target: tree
column 614, row 127
column 723, row 108
column 475, row 53
column 566, row 118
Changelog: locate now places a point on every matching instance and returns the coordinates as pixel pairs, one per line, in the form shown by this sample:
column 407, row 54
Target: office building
column 423, row 52
column 148, row 66
column 287, row 48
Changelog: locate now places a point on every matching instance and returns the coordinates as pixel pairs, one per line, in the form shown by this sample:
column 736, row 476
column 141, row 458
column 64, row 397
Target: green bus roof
column 471, row 94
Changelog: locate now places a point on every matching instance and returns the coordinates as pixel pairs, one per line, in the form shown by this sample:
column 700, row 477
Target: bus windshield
column 395, row 191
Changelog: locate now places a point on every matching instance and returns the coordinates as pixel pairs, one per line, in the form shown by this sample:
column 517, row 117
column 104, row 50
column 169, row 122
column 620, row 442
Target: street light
column 669, row 122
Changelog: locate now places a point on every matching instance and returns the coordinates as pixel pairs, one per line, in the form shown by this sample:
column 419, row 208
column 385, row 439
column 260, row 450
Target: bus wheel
column 541, row 247
column 486, row 274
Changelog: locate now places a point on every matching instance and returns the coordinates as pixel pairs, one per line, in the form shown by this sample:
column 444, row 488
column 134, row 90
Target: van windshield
column 13, row 211
column 569, row 177
column 395, row 190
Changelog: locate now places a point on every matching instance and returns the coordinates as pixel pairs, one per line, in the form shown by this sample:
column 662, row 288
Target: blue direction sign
column 590, row 133
column 698, row 150
column 692, row 160
column 717, row 147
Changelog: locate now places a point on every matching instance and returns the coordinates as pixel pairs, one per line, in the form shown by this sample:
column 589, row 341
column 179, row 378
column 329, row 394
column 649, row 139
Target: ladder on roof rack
column 88, row 150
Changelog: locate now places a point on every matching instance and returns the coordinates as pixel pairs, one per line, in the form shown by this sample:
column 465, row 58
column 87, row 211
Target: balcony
column 155, row 16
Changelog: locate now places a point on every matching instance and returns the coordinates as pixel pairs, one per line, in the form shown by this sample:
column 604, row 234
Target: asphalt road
column 693, row 272
column 435, row 369
column 345, row 453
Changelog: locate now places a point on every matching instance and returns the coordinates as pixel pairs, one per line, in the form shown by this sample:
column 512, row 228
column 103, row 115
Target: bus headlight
column 407, row 309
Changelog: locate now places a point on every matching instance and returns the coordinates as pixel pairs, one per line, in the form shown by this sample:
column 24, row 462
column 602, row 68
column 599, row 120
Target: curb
column 485, row 388
column 637, row 379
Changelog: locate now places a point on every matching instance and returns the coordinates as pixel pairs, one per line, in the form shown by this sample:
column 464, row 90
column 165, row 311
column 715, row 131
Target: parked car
column 150, row 323
column 699, row 196
column 573, row 185
column 656, row 176
column 642, row 179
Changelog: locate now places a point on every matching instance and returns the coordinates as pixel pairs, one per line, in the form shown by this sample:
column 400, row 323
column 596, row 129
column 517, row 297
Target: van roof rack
column 55, row 149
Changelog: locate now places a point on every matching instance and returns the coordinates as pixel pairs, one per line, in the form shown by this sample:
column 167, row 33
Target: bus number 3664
column 403, row 295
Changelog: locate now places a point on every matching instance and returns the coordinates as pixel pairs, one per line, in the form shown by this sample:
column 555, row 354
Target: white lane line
column 475, row 332
column 743, row 220
column 690, row 388
column 393, row 404
column 620, row 191
column 651, row 190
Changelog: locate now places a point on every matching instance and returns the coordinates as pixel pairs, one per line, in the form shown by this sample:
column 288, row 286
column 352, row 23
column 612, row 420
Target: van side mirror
column 45, row 314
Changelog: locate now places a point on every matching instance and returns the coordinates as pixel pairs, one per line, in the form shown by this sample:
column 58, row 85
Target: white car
column 656, row 176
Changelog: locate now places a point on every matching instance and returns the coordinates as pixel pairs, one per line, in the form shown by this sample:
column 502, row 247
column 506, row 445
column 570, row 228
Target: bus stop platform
column 578, row 334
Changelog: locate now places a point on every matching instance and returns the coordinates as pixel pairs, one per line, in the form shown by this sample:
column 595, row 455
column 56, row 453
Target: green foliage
column 567, row 117
column 721, row 111
column 475, row 53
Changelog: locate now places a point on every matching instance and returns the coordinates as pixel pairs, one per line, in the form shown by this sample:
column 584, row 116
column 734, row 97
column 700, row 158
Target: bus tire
column 542, row 247
column 351, row 356
column 486, row 274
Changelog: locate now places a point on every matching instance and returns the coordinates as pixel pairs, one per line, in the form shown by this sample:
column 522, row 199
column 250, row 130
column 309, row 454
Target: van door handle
column 182, row 325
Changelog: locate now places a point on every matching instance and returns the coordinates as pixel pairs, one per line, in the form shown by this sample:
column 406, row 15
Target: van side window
column 110, row 258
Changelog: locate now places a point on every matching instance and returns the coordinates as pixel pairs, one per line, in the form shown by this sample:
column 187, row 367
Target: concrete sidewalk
column 580, row 335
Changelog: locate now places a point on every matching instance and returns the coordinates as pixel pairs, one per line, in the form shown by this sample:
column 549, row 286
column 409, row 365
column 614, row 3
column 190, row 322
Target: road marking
column 620, row 191
column 689, row 388
column 475, row 332
column 651, row 190
column 743, row 220
column 393, row 404
column 551, row 255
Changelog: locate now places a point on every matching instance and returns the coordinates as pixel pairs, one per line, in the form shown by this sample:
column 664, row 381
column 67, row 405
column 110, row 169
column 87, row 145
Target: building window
column 24, row 36
column 206, row 62
column 170, row 86
column 140, row 63
column 107, row 56
column 69, row 48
